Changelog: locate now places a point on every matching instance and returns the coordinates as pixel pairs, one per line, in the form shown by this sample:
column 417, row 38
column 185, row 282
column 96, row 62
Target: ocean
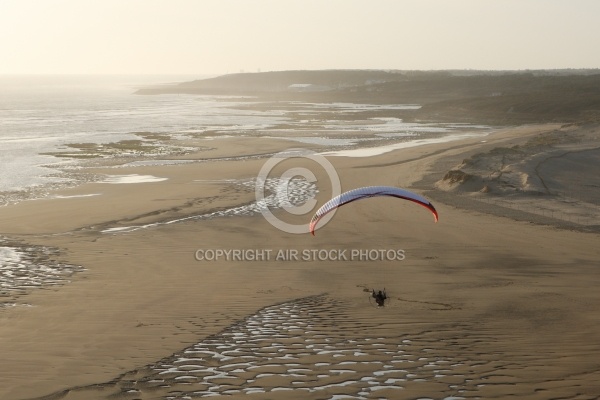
column 41, row 114
column 44, row 114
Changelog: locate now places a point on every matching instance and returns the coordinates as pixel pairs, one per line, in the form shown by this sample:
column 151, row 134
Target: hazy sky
column 220, row 36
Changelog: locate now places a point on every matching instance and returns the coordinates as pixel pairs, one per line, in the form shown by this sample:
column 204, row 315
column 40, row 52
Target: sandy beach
column 497, row 299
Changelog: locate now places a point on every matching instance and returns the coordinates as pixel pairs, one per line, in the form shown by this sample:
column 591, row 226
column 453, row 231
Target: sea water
column 41, row 115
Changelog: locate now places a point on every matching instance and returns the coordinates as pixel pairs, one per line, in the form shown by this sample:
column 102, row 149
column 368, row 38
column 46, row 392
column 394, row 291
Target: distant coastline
column 494, row 97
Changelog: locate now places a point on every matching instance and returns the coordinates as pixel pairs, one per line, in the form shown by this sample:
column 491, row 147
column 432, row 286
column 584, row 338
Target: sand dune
column 548, row 178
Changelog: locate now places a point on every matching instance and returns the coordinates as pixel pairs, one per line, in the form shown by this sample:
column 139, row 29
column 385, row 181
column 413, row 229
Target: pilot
column 379, row 297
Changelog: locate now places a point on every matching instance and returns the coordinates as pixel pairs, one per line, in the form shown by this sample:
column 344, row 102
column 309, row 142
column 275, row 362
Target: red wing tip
column 311, row 228
column 434, row 212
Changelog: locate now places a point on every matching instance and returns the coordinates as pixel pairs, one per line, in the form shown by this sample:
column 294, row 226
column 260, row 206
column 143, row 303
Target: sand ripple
column 24, row 268
column 312, row 348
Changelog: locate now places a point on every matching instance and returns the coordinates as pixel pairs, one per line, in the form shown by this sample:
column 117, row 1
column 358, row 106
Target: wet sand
column 481, row 306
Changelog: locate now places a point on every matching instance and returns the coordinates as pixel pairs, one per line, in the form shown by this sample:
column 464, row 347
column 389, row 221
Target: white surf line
column 146, row 163
column 375, row 151
column 75, row 196
column 133, row 178
column 323, row 141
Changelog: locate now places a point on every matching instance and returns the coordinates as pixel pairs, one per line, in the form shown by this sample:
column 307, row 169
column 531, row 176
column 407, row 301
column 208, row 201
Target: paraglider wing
column 366, row 192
